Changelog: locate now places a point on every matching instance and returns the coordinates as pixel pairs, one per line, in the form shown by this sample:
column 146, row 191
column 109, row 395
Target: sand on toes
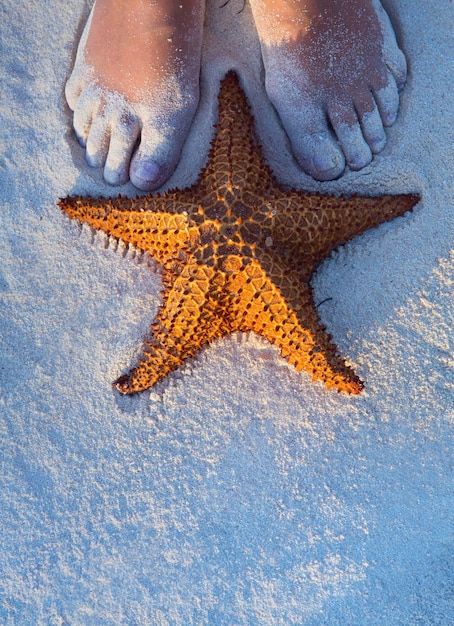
column 333, row 71
column 134, row 88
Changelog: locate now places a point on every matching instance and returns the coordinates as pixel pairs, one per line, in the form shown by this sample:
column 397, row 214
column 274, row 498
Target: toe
column 394, row 57
column 319, row 155
column 387, row 99
column 145, row 173
column 73, row 89
column 345, row 123
column 357, row 152
column 149, row 169
column 313, row 145
column 373, row 131
column 98, row 141
column 122, row 142
column 82, row 119
column 371, row 122
column 158, row 153
column 397, row 65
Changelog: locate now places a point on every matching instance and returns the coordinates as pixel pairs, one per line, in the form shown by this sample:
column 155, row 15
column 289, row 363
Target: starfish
column 238, row 253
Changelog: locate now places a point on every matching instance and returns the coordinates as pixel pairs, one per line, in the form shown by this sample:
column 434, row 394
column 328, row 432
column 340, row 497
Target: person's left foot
column 333, row 70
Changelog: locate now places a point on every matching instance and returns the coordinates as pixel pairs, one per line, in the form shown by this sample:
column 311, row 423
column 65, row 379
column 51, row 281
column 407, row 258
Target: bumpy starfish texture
column 238, row 253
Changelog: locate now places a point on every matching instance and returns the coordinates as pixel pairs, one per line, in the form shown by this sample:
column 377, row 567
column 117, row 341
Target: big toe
column 159, row 151
column 146, row 173
column 306, row 126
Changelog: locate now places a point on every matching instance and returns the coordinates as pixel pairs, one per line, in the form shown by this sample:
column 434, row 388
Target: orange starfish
column 238, row 254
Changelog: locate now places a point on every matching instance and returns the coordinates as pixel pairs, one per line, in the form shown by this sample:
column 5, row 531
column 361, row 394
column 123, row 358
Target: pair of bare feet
column 333, row 71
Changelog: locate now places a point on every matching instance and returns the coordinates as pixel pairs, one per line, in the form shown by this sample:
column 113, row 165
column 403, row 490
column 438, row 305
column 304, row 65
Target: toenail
column 390, row 118
column 81, row 140
column 358, row 161
column 147, row 171
column 377, row 145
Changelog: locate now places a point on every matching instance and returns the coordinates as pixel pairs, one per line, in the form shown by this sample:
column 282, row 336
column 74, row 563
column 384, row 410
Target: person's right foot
column 135, row 87
column 332, row 70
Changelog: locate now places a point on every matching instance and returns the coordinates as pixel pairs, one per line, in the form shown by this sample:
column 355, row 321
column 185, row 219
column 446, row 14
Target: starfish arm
column 235, row 159
column 283, row 311
column 307, row 228
column 188, row 319
column 151, row 224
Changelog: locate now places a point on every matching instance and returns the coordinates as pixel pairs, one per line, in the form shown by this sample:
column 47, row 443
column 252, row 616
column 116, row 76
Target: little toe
column 397, row 65
column 73, row 89
column 122, row 143
column 394, row 57
column 387, row 99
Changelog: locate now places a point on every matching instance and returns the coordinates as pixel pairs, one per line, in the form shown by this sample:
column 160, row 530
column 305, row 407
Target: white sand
column 236, row 492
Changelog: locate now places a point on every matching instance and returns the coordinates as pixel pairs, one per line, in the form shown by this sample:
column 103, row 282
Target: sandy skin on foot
column 333, row 70
column 134, row 88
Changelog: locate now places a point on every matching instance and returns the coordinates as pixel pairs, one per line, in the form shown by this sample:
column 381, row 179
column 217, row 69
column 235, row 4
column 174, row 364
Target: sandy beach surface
column 236, row 492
